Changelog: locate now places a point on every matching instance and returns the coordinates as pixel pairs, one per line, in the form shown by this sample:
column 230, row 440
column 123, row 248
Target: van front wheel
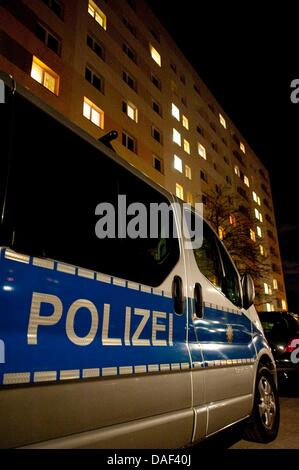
column 264, row 422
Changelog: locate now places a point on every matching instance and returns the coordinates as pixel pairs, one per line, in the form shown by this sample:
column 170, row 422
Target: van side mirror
column 248, row 290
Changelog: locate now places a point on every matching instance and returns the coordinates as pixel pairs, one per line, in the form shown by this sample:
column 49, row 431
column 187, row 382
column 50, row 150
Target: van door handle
column 198, row 300
column 177, row 295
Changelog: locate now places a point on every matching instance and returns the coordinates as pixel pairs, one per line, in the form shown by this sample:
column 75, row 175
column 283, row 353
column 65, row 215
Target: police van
column 114, row 342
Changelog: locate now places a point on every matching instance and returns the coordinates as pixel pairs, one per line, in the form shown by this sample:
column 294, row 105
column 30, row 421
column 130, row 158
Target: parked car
column 282, row 332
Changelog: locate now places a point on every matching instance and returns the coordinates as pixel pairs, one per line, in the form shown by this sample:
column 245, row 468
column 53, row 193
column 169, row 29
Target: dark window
column 51, row 207
column 156, row 81
column 129, row 51
column 129, row 142
column 173, row 67
column 242, row 192
column 132, row 4
column 156, row 134
column 214, row 146
column 200, row 130
column 93, row 78
column 129, row 26
column 226, row 159
column 157, row 107
column 56, row 6
column 203, row 176
column 228, row 179
column 130, row 81
column 213, row 126
column 183, row 79
column 224, row 141
column 211, row 108
column 95, row 46
column 48, row 38
column 197, row 89
column 155, row 34
column 204, row 199
column 157, row 164
column 184, row 100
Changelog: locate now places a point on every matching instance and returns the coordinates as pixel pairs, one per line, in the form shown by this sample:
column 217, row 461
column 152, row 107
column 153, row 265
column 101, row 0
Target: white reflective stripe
column 126, row 370
column 12, row 255
column 85, row 273
column 43, row 263
column 197, row 364
column 109, row 371
column 185, row 365
column 16, row 378
column 229, row 362
column 145, row 289
column 175, row 366
column 45, row 376
column 167, row 294
column 164, row 367
column 119, row 282
column 69, row 374
column 133, row 285
column 2, row 92
column 90, row 373
column 153, row 368
column 217, row 363
column 157, row 292
column 103, row 278
column 139, row 369
column 66, row 268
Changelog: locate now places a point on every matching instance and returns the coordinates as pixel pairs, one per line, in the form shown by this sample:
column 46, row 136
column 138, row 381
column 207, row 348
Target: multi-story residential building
column 110, row 65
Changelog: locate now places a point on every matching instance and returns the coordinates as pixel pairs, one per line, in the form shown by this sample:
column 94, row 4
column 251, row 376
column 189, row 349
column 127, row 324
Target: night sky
column 248, row 56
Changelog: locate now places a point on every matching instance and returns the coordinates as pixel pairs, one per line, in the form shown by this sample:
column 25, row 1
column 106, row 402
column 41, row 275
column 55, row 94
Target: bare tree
column 235, row 224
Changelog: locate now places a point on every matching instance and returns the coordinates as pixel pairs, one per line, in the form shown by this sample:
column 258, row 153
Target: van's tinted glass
column 57, row 180
column 207, row 258
column 230, row 284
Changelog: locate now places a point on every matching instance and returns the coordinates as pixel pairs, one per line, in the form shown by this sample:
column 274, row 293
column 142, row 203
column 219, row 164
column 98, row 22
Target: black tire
column 263, row 424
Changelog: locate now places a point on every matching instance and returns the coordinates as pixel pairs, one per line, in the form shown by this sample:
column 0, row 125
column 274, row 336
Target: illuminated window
column 202, row 151
column 242, row 147
column 232, row 220
column 93, row 113
column 190, row 198
column 175, row 111
column 177, row 163
column 259, row 231
column 237, row 170
column 221, row 233
column 185, row 122
column 266, row 289
column 97, row 14
column 130, row 110
column 222, row 120
column 179, row 191
column 257, row 214
column 155, row 55
column 252, row 235
column 275, row 284
column 262, row 251
column 284, row 304
column 186, row 146
column 246, row 180
column 44, row 75
column 268, row 307
column 176, row 137
column 188, row 172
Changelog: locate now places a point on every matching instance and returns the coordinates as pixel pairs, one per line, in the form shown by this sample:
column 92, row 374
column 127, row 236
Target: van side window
column 230, row 284
column 53, row 195
column 207, row 258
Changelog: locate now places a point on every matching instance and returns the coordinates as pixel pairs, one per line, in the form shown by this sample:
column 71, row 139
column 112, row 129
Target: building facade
column 110, row 65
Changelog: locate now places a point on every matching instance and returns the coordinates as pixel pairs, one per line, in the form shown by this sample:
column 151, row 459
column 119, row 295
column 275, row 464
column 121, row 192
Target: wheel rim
column 267, row 405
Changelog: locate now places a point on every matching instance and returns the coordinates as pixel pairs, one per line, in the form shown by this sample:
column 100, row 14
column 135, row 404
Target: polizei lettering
column 135, row 326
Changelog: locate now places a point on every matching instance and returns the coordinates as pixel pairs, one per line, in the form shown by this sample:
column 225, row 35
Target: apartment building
column 110, row 65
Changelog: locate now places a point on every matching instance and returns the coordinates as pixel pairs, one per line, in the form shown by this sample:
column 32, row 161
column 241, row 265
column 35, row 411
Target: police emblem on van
column 229, row 333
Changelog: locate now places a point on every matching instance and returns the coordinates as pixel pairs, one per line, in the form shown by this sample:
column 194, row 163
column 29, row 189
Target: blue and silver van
column 113, row 342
